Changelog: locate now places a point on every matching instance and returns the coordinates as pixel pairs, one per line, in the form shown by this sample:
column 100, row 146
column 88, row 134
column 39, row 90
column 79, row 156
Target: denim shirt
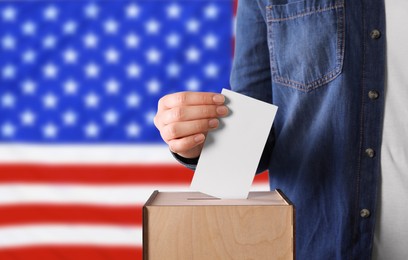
column 323, row 63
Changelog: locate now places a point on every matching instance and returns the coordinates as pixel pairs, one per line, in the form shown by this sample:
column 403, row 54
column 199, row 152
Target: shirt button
column 364, row 213
column 370, row 152
column 375, row 34
column 372, row 94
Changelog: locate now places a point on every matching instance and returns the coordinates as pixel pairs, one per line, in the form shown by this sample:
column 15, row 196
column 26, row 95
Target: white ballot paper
column 231, row 153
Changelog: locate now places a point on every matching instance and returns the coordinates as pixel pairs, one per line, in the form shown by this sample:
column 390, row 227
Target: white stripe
column 260, row 186
column 103, row 235
column 85, row 154
column 80, row 194
column 119, row 195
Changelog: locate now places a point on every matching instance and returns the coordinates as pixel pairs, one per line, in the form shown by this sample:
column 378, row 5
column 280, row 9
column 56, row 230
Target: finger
column 180, row 114
column 188, row 128
column 190, row 99
column 188, row 147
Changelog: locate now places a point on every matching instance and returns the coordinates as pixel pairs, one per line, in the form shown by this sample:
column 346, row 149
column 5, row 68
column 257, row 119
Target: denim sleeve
column 251, row 74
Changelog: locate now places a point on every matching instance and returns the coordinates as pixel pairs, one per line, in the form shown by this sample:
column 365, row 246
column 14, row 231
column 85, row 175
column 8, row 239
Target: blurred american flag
column 79, row 85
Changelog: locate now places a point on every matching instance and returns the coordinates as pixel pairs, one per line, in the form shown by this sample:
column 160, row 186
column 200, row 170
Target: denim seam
column 341, row 31
column 312, row 85
column 306, row 12
column 355, row 219
column 271, row 50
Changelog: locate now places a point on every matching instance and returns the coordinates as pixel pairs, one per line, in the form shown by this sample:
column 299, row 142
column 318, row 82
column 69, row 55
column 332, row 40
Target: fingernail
column 199, row 138
column 213, row 123
column 222, row 110
column 219, row 99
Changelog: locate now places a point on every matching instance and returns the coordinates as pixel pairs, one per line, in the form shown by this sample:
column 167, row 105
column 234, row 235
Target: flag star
column 8, row 100
column 193, row 54
column 51, row 13
column 8, row 129
column 70, row 56
column 29, row 56
column 133, row 70
column 9, row 14
column 29, row 28
column 132, row 40
column 49, row 41
column 210, row 41
column 133, row 130
column 153, row 86
column 173, row 11
column 192, row 25
column 112, row 86
column 193, row 84
column 91, row 100
column 50, row 100
column 28, row 86
column 149, row 117
column 173, row 40
column 211, row 70
column 92, row 70
column 211, row 11
column 70, row 27
column 173, row 69
column 91, row 10
column 27, row 118
column 50, row 70
column 133, row 100
column 70, row 87
column 111, row 117
column 50, row 130
column 8, row 42
column 152, row 26
column 91, row 130
column 112, row 55
column 8, row 71
column 69, row 118
column 91, row 40
column 111, row 26
column 153, row 55
column 132, row 11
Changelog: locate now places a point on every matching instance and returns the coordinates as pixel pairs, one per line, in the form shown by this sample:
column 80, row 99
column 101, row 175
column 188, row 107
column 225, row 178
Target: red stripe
column 234, row 12
column 234, row 7
column 70, row 214
column 101, row 174
column 262, row 178
column 71, row 253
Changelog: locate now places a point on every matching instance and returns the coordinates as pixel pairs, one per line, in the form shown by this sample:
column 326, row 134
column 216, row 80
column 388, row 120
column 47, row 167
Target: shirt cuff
column 190, row 163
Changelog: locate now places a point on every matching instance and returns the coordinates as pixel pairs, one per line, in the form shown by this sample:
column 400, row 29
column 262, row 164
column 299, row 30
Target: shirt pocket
column 306, row 42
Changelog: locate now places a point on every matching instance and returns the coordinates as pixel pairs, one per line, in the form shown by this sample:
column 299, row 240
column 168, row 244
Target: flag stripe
column 96, row 174
column 85, row 154
column 68, row 234
column 108, row 195
column 78, row 252
column 101, row 174
column 70, row 214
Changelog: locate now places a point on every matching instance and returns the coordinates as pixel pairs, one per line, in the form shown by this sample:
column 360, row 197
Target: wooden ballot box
column 192, row 225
